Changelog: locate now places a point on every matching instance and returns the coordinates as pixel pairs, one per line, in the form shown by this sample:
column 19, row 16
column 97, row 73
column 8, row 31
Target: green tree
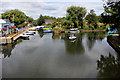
column 30, row 19
column 34, row 23
column 76, row 14
column 49, row 17
column 92, row 18
column 111, row 14
column 41, row 20
column 68, row 24
column 16, row 16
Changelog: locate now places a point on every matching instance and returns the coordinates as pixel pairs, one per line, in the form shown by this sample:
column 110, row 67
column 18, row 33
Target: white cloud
column 49, row 7
column 52, row 1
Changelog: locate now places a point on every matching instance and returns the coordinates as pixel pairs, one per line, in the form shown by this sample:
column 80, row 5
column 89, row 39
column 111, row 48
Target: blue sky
column 56, row 8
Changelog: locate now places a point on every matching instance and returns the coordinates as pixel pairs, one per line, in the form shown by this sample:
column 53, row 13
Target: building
column 49, row 21
column 6, row 27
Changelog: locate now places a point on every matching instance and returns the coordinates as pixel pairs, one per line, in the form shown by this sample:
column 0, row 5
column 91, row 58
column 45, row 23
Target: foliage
column 111, row 14
column 30, row 19
column 49, row 25
column 16, row 16
column 49, row 17
column 76, row 13
column 41, row 20
column 68, row 24
column 92, row 18
column 21, row 25
column 63, row 23
column 58, row 22
column 109, row 66
column 34, row 23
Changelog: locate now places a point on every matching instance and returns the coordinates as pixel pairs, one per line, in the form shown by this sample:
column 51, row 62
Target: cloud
column 52, row 1
column 55, row 8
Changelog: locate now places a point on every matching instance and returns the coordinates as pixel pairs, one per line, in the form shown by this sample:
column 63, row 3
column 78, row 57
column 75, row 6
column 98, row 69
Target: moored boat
column 72, row 37
column 74, row 30
column 29, row 33
column 24, row 36
column 32, row 32
column 47, row 31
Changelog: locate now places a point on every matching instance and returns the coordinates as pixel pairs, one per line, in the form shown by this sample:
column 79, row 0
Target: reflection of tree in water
column 74, row 47
column 6, row 49
column 109, row 66
column 56, row 35
column 40, row 32
column 93, row 36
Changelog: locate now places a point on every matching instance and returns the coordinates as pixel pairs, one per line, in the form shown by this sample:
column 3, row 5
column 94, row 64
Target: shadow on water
column 76, row 46
column 92, row 37
column 72, row 47
column 40, row 32
column 7, row 48
column 61, row 58
column 109, row 66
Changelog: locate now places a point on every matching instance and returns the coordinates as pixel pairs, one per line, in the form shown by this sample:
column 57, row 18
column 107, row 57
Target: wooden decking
column 12, row 37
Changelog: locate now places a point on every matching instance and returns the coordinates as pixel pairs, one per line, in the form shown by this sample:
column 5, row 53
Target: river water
column 55, row 56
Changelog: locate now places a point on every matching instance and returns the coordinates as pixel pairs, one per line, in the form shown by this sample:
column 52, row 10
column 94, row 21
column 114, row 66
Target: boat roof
column 2, row 21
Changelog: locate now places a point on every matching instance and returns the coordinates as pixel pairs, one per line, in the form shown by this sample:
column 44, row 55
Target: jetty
column 13, row 37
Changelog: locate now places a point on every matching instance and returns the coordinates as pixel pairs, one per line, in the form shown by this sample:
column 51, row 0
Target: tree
column 67, row 24
column 111, row 14
column 109, row 66
column 16, row 16
column 76, row 14
column 49, row 17
column 41, row 20
column 92, row 18
column 30, row 19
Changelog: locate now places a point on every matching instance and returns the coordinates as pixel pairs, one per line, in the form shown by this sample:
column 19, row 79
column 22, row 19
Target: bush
column 21, row 25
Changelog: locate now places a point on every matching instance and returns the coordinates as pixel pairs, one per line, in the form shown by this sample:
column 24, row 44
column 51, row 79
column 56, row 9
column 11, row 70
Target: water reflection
column 109, row 66
column 6, row 49
column 55, row 56
column 41, row 33
column 76, row 46
column 56, row 36
column 92, row 37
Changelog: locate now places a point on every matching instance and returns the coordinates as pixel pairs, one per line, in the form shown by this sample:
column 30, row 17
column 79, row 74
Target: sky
column 55, row 8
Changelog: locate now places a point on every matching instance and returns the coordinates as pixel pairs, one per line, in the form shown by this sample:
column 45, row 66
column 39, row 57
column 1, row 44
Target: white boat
column 32, row 32
column 74, row 30
column 24, row 36
column 72, row 37
column 29, row 33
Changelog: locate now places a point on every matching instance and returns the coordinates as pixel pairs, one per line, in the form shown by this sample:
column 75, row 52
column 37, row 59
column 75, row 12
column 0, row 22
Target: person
column 17, row 30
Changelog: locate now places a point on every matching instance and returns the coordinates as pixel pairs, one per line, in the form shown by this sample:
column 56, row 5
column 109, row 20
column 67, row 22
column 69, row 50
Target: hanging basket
column 10, row 27
column 4, row 29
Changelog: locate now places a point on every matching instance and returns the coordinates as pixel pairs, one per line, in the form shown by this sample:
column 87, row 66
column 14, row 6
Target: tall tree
column 76, row 14
column 30, row 19
column 111, row 14
column 16, row 16
column 49, row 17
column 92, row 18
column 41, row 20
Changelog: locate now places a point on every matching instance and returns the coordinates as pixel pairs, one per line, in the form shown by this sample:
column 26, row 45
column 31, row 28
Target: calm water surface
column 55, row 56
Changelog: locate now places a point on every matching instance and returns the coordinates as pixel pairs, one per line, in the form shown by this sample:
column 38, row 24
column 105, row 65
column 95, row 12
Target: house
column 49, row 21
column 6, row 27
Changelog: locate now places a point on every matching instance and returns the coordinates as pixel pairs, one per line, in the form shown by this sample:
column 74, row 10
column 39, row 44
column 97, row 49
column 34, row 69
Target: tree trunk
column 81, row 23
column 75, row 24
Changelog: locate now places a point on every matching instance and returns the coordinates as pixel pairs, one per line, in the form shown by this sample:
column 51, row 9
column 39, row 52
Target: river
column 55, row 56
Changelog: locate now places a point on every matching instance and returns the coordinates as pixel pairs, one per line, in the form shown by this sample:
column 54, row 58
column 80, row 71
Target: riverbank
column 114, row 42
column 68, row 30
column 10, row 38
column 91, row 30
